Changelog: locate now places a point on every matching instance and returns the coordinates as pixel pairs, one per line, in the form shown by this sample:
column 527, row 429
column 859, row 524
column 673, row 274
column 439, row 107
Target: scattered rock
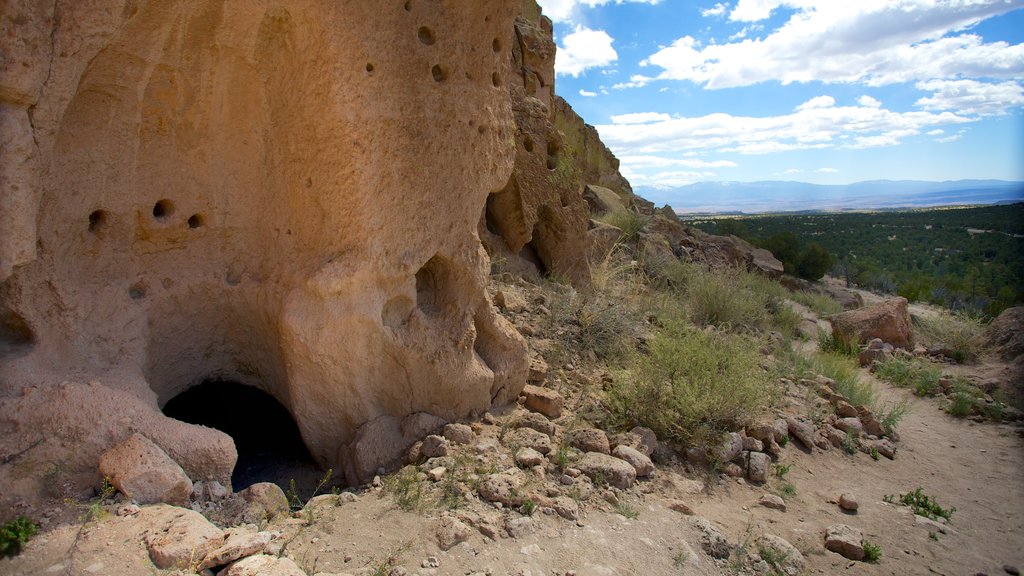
column 566, row 507
column 802, row 431
column 589, row 440
column 730, row 447
column 1011, row 570
column 733, row 470
column 529, row 438
column 509, row 301
column 142, row 471
column 648, row 440
column 681, row 507
column 434, row 446
column 845, row 410
column 538, row 371
column 888, row 320
column 181, row 538
column 772, row 501
column 269, row 496
column 752, row 444
column 502, row 488
column 263, row 565
column 537, row 422
column 851, row 426
column 517, row 527
column 930, row 525
column 451, row 531
column 638, row 460
column 848, row 502
column 458, row 433
column 544, row 400
column 602, row 467
column 529, row 457
column 757, row 467
column 239, row 544
column 845, row 541
column 791, row 560
column 714, row 543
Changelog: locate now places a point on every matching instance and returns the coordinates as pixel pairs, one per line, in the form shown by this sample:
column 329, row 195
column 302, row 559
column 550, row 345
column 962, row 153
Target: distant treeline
column 967, row 259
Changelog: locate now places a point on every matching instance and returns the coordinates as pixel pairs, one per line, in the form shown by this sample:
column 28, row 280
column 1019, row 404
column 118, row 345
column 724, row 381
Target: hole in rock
column 97, row 221
column 269, row 445
column 369, row 68
column 528, row 144
column 15, row 334
column 496, row 45
column 529, row 253
column 162, row 209
column 196, row 221
column 496, row 80
column 439, row 73
column 425, row 35
column 408, row 6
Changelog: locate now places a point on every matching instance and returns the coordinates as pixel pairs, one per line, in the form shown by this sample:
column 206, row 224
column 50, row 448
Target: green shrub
column 922, row 504
column 726, row 299
column 837, row 343
column 872, row 552
column 691, row 385
column 15, row 534
column 961, row 334
column 961, row 403
column 843, row 370
column 910, row 373
column 631, row 224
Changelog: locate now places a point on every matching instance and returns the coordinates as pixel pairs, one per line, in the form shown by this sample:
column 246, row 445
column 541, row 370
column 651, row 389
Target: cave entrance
column 269, row 445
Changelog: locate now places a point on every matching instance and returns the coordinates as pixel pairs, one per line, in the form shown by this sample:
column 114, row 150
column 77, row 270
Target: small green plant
column 891, row 414
column 405, row 487
column 631, row 223
column 933, row 536
column 922, row 504
column 529, row 507
column 623, row 508
column 385, row 565
column 837, row 343
column 874, row 453
column 774, row 557
column 15, row 534
column 788, row 490
column 872, row 552
column 850, row 442
column 912, row 373
column 780, row 470
column 680, row 559
column 961, row 403
column 784, row 441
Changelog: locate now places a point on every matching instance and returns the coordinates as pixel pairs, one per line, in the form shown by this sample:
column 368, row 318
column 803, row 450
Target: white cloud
column 817, row 102
column 651, row 161
column 716, row 10
column 640, row 118
column 583, row 49
column 587, row 93
column 875, row 42
column 827, row 170
column 569, row 10
column 792, row 171
column 868, row 101
column 936, row 132
column 971, row 96
column 952, row 138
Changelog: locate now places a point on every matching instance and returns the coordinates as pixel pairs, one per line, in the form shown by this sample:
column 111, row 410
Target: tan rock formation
column 888, row 320
column 286, row 195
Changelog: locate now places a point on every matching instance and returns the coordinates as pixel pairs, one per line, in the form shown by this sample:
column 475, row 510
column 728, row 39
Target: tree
column 814, row 262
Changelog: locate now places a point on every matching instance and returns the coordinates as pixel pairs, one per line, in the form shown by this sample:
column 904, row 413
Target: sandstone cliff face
column 282, row 194
column 537, row 223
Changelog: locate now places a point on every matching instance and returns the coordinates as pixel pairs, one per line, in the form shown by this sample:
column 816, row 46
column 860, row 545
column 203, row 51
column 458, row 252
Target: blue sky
column 829, row 92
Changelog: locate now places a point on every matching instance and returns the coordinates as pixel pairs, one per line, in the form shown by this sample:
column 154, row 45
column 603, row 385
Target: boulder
column 758, row 465
column 589, row 440
column 802, row 430
column 638, row 460
column 502, row 488
column 543, row 400
column 140, row 470
column 729, row 448
column 1005, row 334
column 604, row 468
column 845, row 541
column 458, row 433
column 537, row 422
column 725, row 252
column 602, row 200
column 451, row 531
column 239, row 544
column 791, row 560
column 263, row 565
column 528, row 438
column 180, row 538
column 269, row 497
column 888, row 320
column 529, row 457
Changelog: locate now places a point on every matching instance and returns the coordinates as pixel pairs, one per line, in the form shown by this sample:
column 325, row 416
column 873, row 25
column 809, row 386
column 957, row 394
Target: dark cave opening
column 269, row 445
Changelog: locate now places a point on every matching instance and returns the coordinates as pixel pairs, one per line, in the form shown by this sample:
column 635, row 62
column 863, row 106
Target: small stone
column 509, row 301
column 713, row 541
column 451, row 531
column 538, row 371
column 529, row 438
column 437, row 474
column 733, row 470
column 519, row 527
column 851, row 426
column 681, row 507
column 772, row 501
column 617, row 473
column 529, row 457
column 848, row 502
column 638, row 460
column 845, row 409
column 1011, row 570
column 544, row 400
column 791, row 561
column 752, row 444
column 537, row 422
column 845, row 541
column 238, row 545
column 430, row 562
column 757, row 467
column 589, row 440
column 502, row 488
column 458, row 433
column 802, row 431
column 142, row 471
column 434, row 446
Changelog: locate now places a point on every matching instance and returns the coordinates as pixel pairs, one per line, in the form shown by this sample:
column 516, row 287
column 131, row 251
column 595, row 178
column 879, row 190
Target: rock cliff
column 280, row 194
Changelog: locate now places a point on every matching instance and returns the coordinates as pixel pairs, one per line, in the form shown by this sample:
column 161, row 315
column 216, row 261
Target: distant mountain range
column 777, row 196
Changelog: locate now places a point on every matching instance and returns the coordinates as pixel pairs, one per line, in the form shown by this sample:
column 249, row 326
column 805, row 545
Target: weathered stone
column 451, row 531
column 601, row 200
column 729, row 448
column 239, row 544
column 566, row 507
column 888, row 320
column 517, row 527
column 851, row 426
column 263, row 565
column 848, row 502
column 434, row 447
column 638, row 460
column 604, row 468
column 757, row 467
column 589, row 440
column 511, row 301
column 502, row 488
column 681, row 507
column 752, row 444
column 845, row 541
column 180, row 538
column 529, row 457
column 845, row 410
column 544, row 400
column 529, row 438
column 714, row 543
column 458, row 433
column 538, row 422
column 802, row 431
column 648, row 440
column 139, row 469
column 772, row 501
column 791, row 562
column 538, row 371
column 1005, row 334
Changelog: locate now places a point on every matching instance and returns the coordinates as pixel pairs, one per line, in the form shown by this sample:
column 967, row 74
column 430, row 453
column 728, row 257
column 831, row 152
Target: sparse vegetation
column 836, row 343
column 787, row 490
column 15, row 534
column 872, row 552
column 922, row 504
column 624, row 509
column 406, row 489
column 680, row 559
column 912, row 373
column 631, row 223
column 961, row 335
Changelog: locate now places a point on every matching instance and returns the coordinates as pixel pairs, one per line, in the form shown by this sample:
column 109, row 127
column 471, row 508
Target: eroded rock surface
column 286, row 196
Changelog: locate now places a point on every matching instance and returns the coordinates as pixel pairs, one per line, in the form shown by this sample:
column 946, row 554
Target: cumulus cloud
column 587, row 93
column 971, row 96
column 716, row 10
column 827, row 170
column 584, row 49
column 569, row 10
column 868, row 101
column 875, row 42
column 650, row 161
column 640, row 118
column 792, row 171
